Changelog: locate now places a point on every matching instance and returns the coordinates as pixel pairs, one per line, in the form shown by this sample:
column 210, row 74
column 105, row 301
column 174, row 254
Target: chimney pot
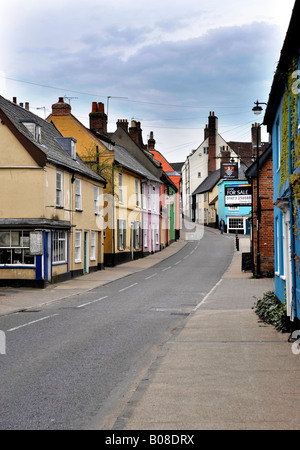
column 94, row 107
column 101, row 107
column 61, row 108
column 15, row 99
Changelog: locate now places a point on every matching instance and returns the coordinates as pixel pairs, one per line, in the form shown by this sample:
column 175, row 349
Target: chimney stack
column 225, row 155
column 135, row 132
column 98, row 118
column 256, row 128
column 212, row 142
column 151, row 142
column 123, row 123
column 206, row 132
column 61, row 108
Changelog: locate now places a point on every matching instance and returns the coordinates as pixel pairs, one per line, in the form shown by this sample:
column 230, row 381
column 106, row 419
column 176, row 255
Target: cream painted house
column 49, row 208
column 123, row 204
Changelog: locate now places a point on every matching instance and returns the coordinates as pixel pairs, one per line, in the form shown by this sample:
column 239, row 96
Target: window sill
column 17, row 266
column 78, row 210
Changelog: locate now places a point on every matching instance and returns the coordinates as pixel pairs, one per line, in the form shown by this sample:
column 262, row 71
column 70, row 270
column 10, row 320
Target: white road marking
column 30, row 323
column 207, row 295
column 151, row 276
column 178, row 262
column 167, row 268
column 128, row 287
column 94, row 301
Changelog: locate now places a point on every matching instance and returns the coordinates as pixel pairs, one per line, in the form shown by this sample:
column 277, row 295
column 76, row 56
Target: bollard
column 237, row 242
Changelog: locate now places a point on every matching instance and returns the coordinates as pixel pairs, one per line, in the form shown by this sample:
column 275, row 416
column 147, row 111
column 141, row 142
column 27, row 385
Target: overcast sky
column 174, row 61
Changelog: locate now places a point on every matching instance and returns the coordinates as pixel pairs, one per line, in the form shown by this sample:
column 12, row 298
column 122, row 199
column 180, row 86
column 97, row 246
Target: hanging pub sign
column 238, row 195
column 229, row 171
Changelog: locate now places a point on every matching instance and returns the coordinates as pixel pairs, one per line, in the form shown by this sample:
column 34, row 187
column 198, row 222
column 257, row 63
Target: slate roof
column 177, row 166
column 53, row 152
column 124, row 159
column 209, row 183
column 252, row 171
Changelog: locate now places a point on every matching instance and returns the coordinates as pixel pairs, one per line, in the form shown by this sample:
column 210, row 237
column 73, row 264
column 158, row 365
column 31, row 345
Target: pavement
column 14, row 300
column 222, row 369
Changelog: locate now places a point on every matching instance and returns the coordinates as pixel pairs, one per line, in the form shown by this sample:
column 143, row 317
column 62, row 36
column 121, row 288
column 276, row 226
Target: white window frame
column 78, row 245
column 96, row 200
column 78, row 195
column 59, row 189
column 121, row 193
column 144, row 198
column 59, row 247
column 21, row 247
column 121, row 238
column 153, row 198
column 137, row 198
column 93, row 245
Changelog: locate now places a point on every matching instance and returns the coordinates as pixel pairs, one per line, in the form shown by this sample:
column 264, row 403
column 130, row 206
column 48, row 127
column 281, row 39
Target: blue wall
column 224, row 211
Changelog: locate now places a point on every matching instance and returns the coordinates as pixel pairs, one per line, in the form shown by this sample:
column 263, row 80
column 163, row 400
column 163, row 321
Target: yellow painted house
column 49, row 203
column 121, row 206
column 205, row 200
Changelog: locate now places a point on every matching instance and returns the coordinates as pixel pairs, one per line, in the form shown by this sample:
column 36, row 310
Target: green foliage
column 272, row 311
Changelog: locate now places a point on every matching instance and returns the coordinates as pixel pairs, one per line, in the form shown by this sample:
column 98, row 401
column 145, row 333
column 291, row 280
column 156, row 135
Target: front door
column 47, row 256
column 86, row 252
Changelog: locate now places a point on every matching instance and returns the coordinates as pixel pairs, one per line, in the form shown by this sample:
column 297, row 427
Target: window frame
column 59, row 247
column 78, row 195
column 59, row 189
column 78, row 248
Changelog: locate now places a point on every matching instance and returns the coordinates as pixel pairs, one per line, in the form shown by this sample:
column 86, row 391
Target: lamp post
column 257, row 111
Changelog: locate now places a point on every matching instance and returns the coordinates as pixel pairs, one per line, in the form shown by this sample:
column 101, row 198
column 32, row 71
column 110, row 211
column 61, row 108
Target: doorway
column 86, row 252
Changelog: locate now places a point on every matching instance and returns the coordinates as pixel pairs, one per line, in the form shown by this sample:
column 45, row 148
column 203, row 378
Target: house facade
column 262, row 243
column 130, row 206
column 205, row 201
column 207, row 158
column 49, row 203
column 282, row 118
column 172, row 205
column 235, row 203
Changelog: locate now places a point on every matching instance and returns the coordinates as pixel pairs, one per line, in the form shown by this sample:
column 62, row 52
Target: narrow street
column 70, row 365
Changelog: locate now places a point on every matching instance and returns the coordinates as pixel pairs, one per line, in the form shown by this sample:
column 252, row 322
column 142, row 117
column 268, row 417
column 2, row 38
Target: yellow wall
column 69, row 126
column 29, row 191
column 128, row 209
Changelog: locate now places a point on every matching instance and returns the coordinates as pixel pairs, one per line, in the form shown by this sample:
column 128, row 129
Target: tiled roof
column 124, row 158
column 54, row 153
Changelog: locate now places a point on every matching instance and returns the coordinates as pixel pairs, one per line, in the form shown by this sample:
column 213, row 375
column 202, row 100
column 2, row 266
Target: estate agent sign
column 238, row 195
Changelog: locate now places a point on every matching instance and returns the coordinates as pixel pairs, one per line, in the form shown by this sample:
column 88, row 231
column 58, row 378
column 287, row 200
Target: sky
column 164, row 63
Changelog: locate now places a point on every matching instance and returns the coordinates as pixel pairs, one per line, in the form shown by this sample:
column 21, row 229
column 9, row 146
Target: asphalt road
column 69, row 365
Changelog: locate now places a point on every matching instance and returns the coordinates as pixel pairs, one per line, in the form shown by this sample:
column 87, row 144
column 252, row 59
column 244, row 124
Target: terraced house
column 49, row 202
column 131, row 200
column 282, row 118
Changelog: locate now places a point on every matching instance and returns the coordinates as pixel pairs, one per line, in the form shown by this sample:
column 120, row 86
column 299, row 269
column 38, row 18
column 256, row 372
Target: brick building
column 262, row 243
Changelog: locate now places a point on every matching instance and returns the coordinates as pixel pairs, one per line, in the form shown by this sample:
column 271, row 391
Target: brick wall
column 267, row 218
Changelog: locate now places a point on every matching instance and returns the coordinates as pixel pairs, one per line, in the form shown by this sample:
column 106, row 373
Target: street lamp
column 257, row 111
